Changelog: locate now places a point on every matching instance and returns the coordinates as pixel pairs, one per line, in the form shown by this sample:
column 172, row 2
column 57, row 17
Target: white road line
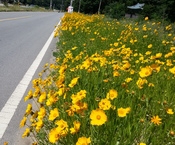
column 10, row 107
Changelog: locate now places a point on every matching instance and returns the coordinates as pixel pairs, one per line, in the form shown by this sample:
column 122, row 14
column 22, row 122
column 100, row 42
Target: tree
column 115, row 10
column 159, row 9
column 154, row 9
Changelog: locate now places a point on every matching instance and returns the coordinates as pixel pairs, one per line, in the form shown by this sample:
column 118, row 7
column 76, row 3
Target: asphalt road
column 22, row 36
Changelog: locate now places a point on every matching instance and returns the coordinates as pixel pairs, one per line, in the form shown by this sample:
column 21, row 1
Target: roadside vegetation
column 112, row 83
column 13, row 8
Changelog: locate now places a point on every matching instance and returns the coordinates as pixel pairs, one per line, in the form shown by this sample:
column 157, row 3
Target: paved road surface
column 22, row 36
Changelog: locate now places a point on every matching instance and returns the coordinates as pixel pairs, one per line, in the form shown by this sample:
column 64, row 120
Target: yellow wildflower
column 170, row 111
column 169, row 34
column 29, row 95
column 112, row 94
column 53, row 114
column 168, row 27
column 75, row 47
column 169, row 62
column 172, row 132
column 98, row 117
column 104, row 104
column 42, row 97
column 168, row 54
column 60, row 81
column 145, row 36
column 39, row 125
column 150, row 46
column 144, row 28
column 155, row 67
column 83, row 141
column 33, row 117
column 158, row 55
column 116, row 74
column 150, row 85
column 29, row 109
column 79, row 96
column 62, row 124
column 128, row 80
column 106, row 80
column 53, row 135
column 146, row 18
column 73, row 82
column 132, row 71
column 122, row 112
column 140, row 82
column 156, row 120
column 51, row 99
column 172, row 70
column 148, row 52
column 173, row 48
column 62, row 128
column 23, row 122
column 5, row 143
column 26, row 133
column 41, row 113
column 142, row 143
column 116, row 44
column 126, row 66
column 145, row 72
column 76, row 127
column 86, row 64
column 36, row 92
column 61, row 91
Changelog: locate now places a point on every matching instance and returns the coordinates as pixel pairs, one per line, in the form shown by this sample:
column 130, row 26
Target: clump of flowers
column 112, row 83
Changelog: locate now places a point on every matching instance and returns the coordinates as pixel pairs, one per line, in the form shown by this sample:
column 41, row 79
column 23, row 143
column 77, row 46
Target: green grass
column 19, row 8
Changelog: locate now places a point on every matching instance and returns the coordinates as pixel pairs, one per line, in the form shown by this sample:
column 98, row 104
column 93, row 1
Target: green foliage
column 161, row 10
column 115, row 10
column 18, row 8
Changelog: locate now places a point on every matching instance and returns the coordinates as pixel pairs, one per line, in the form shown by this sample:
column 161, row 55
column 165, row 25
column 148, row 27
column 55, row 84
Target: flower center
column 98, row 117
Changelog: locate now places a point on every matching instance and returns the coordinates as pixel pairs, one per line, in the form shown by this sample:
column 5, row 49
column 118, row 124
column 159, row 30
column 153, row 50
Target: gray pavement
column 21, row 39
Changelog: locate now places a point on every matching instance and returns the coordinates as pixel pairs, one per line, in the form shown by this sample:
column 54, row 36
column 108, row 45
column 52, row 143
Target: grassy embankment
column 112, row 84
column 19, row 8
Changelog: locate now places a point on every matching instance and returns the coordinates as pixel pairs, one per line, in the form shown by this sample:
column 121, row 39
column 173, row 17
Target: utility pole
column 79, row 5
column 62, row 6
column 99, row 7
column 71, row 2
column 50, row 4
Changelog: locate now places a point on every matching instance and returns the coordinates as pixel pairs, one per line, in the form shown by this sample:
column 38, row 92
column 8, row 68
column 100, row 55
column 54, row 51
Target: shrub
column 115, row 10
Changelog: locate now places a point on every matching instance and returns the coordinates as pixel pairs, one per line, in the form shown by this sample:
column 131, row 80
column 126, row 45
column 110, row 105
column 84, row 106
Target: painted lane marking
column 10, row 107
column 9, row 19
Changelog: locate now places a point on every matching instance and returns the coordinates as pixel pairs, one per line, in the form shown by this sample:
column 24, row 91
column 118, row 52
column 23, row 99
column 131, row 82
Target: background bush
column 115, row 10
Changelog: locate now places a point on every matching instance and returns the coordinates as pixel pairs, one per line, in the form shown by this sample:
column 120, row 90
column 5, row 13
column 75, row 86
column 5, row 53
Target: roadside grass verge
column 21, row 8
column 112, row 84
